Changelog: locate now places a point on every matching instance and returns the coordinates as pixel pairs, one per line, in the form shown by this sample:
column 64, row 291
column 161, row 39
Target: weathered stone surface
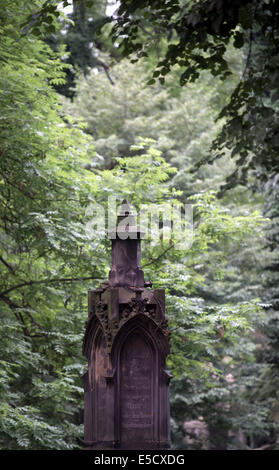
column 126, row 270
column 136, row 389
column 126, row 388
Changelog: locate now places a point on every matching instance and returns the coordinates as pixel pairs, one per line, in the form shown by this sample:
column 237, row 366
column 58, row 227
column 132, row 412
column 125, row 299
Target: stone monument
column 126, row 387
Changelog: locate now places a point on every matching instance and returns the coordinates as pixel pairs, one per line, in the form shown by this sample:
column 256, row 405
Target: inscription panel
column 136, row 397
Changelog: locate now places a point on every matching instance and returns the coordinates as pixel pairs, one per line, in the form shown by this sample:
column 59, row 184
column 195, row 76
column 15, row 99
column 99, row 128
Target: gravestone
column 126, row 387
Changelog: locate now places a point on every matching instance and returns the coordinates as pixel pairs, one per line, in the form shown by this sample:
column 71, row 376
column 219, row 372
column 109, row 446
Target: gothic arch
column 138, row 357
column 149, row 328
column 95, row 389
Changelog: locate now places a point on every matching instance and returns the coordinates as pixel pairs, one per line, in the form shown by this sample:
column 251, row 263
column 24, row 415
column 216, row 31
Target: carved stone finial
column 126, row 268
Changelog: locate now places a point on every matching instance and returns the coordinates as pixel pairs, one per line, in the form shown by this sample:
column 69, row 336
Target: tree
column 49, row 176
column 83, row 46
column 183, row 127
column 118, row 114
column 44, row 187
column 198, row 37
column 210, row 340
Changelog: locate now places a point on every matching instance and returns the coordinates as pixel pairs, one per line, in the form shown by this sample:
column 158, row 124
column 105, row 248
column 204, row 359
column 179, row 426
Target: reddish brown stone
column 126, row 388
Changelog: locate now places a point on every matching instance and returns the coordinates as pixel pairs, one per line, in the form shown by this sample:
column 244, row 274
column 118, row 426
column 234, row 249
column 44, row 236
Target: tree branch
column 9, row 266
column 18, row 315
column 46, row 281
column 265, row 447
column 106, row 69
column 153, row 260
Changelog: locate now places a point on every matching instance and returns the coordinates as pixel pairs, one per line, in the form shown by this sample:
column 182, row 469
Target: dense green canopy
column 94, row 106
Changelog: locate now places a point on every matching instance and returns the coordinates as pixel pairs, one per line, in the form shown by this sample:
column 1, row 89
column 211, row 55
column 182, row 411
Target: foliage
column 266, row 388
column 44, row 186
column 210, row 341
column 50, row 174
column 198, row 35
column 84, row 47
column 119, row 114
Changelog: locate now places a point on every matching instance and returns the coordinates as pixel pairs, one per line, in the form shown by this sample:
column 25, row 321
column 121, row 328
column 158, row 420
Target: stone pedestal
column 126, row 343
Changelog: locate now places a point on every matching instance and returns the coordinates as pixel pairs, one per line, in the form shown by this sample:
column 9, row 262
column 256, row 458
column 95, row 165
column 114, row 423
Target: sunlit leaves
column 46, row 183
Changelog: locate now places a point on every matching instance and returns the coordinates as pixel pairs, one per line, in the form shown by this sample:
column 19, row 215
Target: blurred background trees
column 98, row 101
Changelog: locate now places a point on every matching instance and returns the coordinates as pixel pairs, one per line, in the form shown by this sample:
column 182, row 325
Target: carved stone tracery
column 126, row 342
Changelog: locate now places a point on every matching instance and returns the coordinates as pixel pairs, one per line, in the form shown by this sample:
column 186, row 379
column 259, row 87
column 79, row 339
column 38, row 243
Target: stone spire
column 126, row 268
